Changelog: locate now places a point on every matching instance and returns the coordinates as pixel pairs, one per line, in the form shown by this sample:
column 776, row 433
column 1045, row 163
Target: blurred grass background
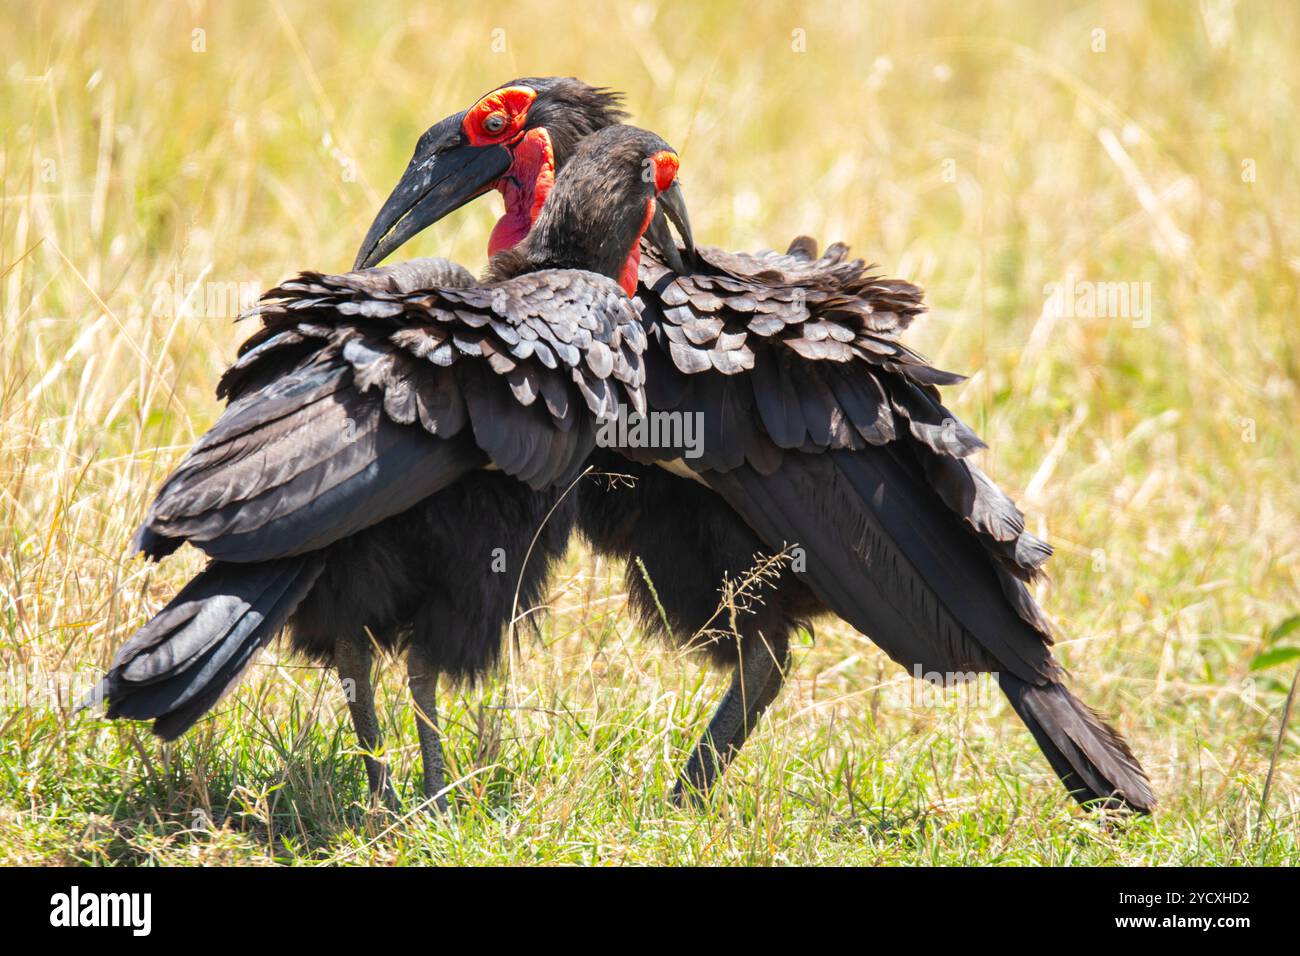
column 983, row 153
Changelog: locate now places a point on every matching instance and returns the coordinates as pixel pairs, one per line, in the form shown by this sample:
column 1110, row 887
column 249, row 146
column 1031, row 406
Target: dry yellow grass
column 985, row 154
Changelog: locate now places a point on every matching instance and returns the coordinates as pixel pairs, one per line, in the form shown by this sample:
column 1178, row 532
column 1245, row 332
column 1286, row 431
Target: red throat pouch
column 524, row 187
column 628, row 277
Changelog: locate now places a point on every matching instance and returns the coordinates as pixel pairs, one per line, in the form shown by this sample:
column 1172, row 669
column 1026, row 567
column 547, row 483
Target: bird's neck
column 576, row 226
column 524, row 188
column 575, row 232
column 632, row 264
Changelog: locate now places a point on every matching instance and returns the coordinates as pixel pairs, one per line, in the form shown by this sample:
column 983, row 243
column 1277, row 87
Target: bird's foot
column 690, row 794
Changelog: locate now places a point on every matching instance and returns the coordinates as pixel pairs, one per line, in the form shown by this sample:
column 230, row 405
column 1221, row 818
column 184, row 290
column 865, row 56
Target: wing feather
column 350, row 403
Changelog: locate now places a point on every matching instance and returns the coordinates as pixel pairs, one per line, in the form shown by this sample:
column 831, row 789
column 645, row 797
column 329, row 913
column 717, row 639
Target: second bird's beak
column 444, row 174
column 671, row 206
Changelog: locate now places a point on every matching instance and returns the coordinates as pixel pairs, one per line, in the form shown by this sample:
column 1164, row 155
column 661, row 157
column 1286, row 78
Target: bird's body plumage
column 824, row 432
column 367, row 407
column 390, row 469
column 363, row 415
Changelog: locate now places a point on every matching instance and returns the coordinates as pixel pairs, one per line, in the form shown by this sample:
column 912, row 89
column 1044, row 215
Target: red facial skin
column 528, row 181
column 666, row 164
column 510, row 104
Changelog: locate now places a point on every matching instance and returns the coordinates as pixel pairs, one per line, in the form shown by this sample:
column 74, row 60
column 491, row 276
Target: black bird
column 821, row 431
column 393, row 438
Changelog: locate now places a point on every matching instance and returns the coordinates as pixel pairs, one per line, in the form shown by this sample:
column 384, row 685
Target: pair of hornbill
column 394, row 432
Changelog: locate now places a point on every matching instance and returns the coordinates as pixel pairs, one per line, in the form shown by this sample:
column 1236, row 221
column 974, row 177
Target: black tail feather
column 175, row 668
column 885, row 553
column 1089, row 756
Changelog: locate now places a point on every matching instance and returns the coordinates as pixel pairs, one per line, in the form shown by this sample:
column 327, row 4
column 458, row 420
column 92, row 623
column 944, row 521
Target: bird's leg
column 352, row 658
column 422, row 678
column 755, row 684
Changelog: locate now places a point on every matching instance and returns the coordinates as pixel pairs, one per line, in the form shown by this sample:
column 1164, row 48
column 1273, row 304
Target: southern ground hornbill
column 821, row 431
column 393, row 438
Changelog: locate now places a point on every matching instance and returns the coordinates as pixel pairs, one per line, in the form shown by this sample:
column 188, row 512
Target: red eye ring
column 665, row 164
column 499, row 117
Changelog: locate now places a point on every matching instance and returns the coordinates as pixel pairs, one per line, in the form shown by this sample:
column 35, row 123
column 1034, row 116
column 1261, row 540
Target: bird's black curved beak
column 445, row 173
column 671, row 206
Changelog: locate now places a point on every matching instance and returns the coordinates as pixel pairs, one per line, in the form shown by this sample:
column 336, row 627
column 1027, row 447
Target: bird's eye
column 495, row 123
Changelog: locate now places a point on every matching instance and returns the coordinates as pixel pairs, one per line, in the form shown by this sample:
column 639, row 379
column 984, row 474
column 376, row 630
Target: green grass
column 981, row 153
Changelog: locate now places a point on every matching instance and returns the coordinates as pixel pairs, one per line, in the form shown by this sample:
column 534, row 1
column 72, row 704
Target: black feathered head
column 602, row 203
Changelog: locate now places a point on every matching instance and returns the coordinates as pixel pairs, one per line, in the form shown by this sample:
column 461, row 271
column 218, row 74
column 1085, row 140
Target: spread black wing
column 823, row 430
column 795, row 366
column 362, row 394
